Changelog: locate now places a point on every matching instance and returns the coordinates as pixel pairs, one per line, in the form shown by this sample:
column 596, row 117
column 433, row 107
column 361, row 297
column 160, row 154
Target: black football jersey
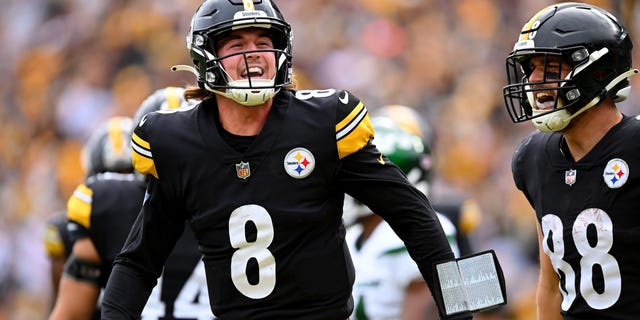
column 589, row 214
column 268, row 220
column 104, row 209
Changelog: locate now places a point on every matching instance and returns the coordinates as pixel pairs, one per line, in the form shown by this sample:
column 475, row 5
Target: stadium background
column 67, row 65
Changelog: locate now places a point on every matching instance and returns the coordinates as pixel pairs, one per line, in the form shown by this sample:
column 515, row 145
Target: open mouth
column 545, row 101
column 253, row 73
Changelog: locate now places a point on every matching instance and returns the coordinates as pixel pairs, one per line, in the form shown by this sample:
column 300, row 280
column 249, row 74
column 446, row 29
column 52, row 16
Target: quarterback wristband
column 469, row 284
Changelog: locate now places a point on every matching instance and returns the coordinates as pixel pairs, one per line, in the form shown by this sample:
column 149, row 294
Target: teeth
column 545, row 101
column 255, row 71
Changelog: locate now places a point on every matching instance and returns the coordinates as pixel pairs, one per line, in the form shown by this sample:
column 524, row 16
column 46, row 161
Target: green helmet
column 402, row 136
column 406, row 148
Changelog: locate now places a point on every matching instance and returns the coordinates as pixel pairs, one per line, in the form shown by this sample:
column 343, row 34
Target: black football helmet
column 594, row 44
column 109, row 148
column 215, row 18
column 168, row 98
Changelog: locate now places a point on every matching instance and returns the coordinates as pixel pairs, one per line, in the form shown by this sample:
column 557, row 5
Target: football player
column 569, row 67
column 259, row 170
column 388, row 283
column 100, row 214
column 463, row 211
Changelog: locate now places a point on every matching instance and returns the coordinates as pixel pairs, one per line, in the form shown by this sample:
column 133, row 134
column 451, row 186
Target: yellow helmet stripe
column 527, row 27
column 114, row 129
column 173, row 97
column 248, row 5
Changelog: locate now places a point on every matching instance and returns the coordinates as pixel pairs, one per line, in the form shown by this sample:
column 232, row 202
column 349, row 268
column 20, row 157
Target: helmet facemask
column 550, row 101
column 250, row 91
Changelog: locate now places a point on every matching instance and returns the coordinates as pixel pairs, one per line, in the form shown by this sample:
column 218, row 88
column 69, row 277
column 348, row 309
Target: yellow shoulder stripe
column 351, row 120
column 354, row 131
column 53, row 243
column 79, row 206
column 142, row 158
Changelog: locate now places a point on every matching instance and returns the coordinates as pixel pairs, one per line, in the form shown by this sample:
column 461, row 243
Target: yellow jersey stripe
column 142, row 158
column 79, row 206
column 144, row 165
column 140, row 142
column 350, row 121
column 53, row 243
column 356, row 138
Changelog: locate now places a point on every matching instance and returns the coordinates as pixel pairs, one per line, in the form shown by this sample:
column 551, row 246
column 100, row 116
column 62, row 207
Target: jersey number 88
column 591, row 256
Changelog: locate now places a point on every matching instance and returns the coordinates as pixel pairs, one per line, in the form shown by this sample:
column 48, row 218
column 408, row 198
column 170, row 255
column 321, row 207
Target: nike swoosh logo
column 142, row 121
column 344, row 99
column 380, row 160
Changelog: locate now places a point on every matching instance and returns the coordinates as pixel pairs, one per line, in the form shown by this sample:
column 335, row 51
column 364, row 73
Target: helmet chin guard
column 248, row 97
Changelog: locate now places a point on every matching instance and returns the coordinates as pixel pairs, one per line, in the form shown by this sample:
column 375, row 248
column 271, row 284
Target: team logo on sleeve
column 299, row 163
column 616, row 173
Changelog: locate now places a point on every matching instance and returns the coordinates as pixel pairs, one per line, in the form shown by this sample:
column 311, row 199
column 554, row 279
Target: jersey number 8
column 256, row 250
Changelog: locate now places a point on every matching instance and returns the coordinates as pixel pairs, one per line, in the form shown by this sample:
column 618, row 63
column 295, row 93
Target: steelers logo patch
column 616, row 173
column 299, row 163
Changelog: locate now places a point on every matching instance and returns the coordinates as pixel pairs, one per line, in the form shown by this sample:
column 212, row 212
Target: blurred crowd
column 67, row 65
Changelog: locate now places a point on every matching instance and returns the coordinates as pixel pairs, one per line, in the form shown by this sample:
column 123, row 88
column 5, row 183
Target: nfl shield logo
column 570, row 177
column 243, row 170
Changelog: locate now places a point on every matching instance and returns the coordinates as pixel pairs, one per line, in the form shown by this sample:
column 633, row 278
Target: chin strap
column 622, row 94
